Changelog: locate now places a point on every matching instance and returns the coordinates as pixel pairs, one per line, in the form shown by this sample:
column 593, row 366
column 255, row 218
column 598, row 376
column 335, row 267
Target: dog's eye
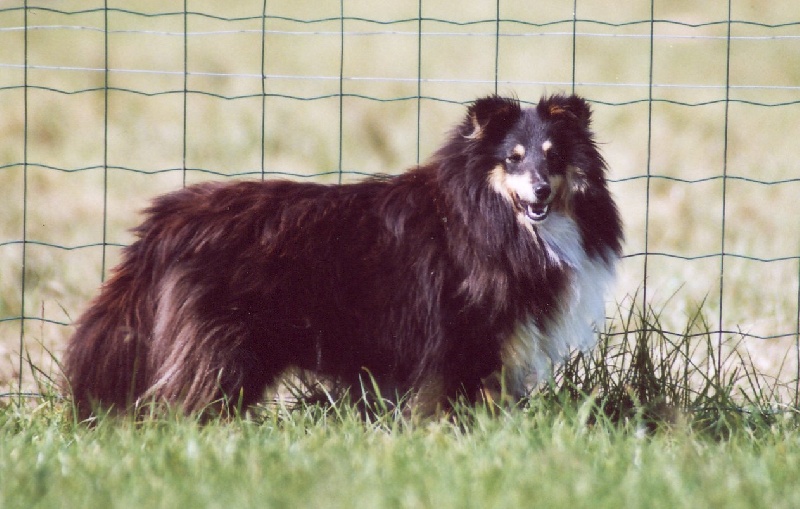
column 556, row 161
column 514, row 158
column 553, row 155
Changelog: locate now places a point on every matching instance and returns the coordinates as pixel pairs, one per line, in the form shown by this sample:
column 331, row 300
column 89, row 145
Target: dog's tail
column 106, row 360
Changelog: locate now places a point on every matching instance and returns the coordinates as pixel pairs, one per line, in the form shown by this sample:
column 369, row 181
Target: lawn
column 542, row 456
column 698, row 133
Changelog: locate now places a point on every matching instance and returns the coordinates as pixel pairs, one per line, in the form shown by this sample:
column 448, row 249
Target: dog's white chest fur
column 581, row 308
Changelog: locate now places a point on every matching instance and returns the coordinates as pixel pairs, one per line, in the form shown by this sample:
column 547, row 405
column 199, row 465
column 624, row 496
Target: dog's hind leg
column 214, row 370
column 205, row 356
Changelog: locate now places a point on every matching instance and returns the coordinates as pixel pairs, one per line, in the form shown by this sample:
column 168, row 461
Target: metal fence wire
column 106, row 104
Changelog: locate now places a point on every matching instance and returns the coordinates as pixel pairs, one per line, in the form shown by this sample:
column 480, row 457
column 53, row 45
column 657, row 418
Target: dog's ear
column 566, row 107
column 491, row 117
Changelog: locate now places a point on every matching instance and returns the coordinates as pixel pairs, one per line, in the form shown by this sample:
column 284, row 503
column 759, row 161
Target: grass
column 83, row 188
column 643, row 372
column 310, row 458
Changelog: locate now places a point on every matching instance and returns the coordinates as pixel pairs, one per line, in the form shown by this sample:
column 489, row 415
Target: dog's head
column 540, row 157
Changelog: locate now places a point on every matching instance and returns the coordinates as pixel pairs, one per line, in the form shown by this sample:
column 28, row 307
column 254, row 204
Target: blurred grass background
column 697, row 119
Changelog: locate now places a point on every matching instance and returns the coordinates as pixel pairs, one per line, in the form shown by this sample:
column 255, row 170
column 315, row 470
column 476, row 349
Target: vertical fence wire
column 185, row 95
column 340, row 170
column 419, row 79
column 263, row 90
column 25, row 91
column 724, row 195
column 574, row 44
column 496, row 46
column 797, row 342
column 106, row 107
column 648, row 168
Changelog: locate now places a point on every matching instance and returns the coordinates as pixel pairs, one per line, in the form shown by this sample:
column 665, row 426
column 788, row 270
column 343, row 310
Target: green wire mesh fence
column 105, row 105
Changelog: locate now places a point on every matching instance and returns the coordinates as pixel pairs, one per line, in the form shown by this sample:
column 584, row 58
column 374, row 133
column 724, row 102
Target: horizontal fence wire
column 409, row 98
column 376, row 21
column 495, row 31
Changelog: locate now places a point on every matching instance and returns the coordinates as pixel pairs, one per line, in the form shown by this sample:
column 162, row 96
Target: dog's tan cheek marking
column 497, row 181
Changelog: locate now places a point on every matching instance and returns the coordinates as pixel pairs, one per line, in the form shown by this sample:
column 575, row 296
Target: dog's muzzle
column 538, row 210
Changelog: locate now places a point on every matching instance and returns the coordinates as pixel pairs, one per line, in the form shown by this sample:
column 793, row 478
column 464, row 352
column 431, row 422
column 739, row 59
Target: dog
column 464, row 276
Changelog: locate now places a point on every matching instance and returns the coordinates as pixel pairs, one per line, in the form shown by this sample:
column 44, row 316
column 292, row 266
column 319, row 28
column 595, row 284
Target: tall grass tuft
column 641, row 372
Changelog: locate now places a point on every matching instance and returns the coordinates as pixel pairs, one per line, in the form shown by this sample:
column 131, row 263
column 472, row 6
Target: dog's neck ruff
column 580, row 309
column 562, row 241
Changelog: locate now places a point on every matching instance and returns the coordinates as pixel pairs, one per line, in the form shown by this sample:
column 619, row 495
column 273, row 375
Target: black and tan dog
column 494, row 258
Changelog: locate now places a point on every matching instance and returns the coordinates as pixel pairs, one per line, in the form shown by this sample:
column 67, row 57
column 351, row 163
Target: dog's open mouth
column 536, row 212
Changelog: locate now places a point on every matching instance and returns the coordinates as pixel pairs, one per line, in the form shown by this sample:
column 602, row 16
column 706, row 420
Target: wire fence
column 106, row 106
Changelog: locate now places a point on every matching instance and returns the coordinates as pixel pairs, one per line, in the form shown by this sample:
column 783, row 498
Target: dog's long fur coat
column 473, row 270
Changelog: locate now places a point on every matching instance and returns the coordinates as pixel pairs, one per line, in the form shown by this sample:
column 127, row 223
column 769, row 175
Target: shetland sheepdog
column 463, row 276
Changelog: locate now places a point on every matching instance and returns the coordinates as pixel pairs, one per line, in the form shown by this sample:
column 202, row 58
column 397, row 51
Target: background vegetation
column 691, row 398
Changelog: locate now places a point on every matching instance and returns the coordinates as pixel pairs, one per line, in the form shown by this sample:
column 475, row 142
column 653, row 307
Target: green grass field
column 665, row 413
column 641, row 422
column 95, row 159
column 544, row 456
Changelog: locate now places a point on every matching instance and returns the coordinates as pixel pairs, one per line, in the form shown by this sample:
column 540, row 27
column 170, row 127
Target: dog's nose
column 542, row 191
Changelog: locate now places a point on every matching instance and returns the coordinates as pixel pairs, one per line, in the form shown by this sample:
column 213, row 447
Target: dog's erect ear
column 571, row 106
column 492, row 116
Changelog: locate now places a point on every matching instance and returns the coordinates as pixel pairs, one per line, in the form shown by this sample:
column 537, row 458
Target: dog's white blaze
column 581, row 314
